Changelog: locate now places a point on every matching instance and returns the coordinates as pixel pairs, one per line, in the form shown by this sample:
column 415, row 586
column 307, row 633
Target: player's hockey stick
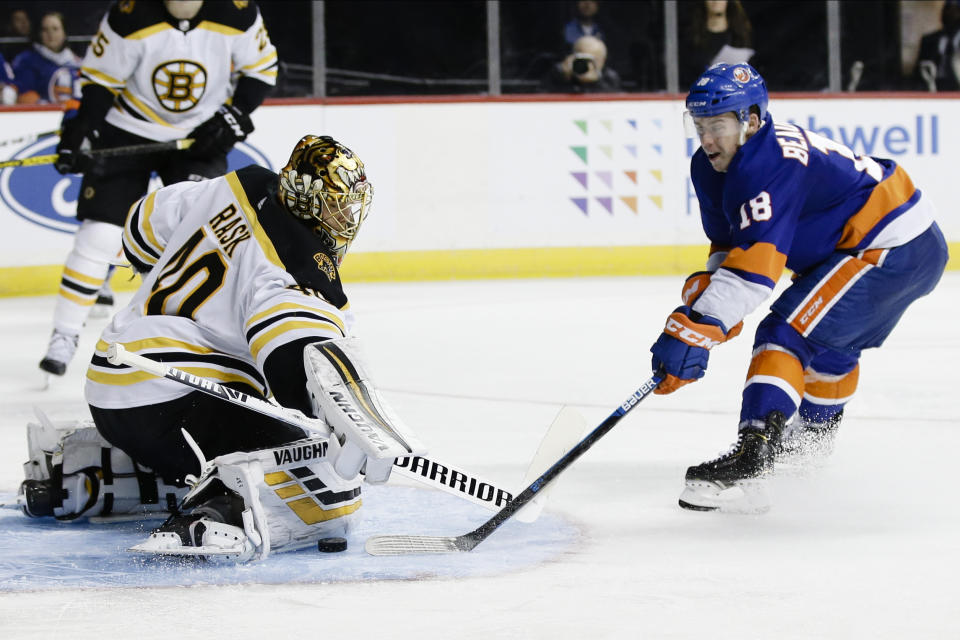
column 446, row 478
column 113, row 152
column 395, row 545
column 30, row 137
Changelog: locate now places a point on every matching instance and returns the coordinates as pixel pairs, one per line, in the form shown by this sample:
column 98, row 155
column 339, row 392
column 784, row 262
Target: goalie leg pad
column 73, row 472
column 343, row 393
column 286, row 498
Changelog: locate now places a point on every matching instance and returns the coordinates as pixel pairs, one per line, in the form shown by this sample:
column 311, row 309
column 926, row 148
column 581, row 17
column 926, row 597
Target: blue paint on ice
column 42, row 554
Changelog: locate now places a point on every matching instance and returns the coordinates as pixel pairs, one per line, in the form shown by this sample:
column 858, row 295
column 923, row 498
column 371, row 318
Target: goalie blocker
column 343, row 394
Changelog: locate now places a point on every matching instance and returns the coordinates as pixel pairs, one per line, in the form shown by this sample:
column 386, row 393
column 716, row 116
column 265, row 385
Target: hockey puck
column 332, row 545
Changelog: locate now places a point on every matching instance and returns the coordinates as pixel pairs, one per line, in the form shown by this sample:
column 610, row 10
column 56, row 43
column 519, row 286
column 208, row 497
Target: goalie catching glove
column 683, row 349
column 217, row 135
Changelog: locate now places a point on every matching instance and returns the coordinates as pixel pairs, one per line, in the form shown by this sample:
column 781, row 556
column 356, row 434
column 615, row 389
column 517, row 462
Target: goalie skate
column 196, row 535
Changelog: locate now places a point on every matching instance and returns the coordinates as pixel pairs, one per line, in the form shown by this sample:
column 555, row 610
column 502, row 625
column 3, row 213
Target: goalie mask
column 325, row 183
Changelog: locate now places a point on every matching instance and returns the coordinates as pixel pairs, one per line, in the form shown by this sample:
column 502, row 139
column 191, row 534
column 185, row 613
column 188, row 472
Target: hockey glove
column 71, row 157
column 682, row 350
column 218, row 134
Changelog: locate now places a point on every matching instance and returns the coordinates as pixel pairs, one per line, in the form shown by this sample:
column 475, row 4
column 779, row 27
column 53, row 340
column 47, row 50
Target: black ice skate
column 805, row 444
column 59, row 353
column 735, row 481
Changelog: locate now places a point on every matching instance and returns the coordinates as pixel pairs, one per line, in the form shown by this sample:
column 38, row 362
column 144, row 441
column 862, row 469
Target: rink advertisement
column 479, row 188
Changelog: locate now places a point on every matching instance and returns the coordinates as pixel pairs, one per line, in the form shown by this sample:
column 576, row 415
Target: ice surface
column 868, row 546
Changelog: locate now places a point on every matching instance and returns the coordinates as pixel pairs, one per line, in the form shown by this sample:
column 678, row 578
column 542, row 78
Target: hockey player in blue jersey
column 861, row 241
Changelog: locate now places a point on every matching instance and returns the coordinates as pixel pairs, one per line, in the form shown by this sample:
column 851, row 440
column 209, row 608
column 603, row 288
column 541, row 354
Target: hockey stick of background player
column 446, row 478
column 30, row 137
column 396, row 545
column 114, row 152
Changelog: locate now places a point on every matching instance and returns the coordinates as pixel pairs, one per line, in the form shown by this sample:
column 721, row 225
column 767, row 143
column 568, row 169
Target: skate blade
column 745, row 497
column 169, row 544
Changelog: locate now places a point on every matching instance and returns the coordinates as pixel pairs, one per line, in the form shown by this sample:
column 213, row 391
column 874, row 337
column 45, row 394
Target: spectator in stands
column 584, row 22
column 718, row 32
column 18, row 26
column 585, row 70
column 46, row 72
column 8, row 90
column 938, row 64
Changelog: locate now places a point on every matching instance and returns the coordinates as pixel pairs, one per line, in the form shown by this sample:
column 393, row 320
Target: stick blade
column 409, row 545
column 563, row 434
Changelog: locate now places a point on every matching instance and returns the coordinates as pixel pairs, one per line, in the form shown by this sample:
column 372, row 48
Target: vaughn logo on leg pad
column 299, row 454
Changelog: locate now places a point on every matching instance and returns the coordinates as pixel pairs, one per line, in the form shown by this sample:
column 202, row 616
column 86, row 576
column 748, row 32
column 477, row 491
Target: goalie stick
column 447, row 478
column 395, row 545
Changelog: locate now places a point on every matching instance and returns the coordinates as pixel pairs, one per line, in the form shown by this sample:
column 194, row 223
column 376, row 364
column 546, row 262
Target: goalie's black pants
column 151, row 434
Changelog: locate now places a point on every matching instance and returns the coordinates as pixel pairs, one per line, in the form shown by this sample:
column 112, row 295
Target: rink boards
column 499, row 188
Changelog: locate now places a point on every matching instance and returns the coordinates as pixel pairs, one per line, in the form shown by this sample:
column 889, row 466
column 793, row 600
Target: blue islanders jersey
column 49, row 76
column 6, row 71
column 791, row 198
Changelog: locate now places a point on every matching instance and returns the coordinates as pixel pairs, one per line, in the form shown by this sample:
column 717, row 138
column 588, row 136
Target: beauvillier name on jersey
column 776, row 206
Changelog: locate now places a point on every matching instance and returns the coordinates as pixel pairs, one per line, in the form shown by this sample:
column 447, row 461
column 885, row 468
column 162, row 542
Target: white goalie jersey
column 170, row 75
column 236, row 288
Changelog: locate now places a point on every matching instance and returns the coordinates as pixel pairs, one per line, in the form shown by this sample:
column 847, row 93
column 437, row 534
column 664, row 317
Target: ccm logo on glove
column 232, row 121
column 681, row 327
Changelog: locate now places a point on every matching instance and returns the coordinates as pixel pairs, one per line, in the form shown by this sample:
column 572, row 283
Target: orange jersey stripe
column 762, row 258
column 778, row 364
column 822, row 387
column 886, row 196
column 807, row 316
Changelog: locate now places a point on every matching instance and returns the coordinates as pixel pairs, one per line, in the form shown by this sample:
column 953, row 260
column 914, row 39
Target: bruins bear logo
column 179, row 84
column 325, row 265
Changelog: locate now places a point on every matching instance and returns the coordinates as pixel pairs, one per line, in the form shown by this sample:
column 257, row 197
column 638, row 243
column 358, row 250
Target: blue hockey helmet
column 728, row 87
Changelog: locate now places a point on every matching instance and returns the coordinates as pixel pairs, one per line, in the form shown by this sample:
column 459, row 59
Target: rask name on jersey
column 256, row 266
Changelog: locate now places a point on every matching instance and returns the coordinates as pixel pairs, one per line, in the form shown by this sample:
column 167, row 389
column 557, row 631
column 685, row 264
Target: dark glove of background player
column 80, row 122
column 71, row 158
column 217, row 135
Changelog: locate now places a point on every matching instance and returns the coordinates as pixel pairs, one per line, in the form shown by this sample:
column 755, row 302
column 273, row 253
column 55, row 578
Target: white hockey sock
column 95, row 245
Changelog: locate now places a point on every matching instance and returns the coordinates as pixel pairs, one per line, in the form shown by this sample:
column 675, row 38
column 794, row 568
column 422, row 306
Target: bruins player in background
column 154, row 72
